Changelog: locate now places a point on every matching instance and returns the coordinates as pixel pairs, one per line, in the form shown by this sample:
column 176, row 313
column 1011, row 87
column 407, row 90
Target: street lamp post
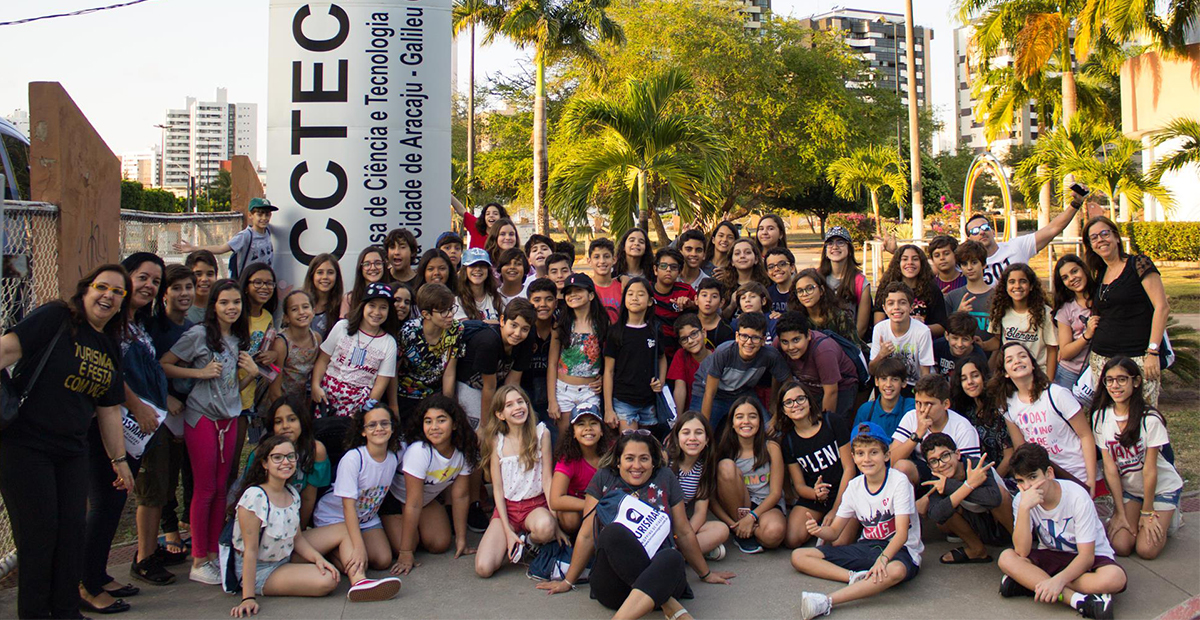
column 914, row 132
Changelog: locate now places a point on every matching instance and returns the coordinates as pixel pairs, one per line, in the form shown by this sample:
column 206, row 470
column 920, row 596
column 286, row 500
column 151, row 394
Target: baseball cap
column 262, row 203
column 448, row 237
column 377, row 290
column 872, row 430
column 580, row 280
column 583, row 410
column 476, row 255
column 839, row 232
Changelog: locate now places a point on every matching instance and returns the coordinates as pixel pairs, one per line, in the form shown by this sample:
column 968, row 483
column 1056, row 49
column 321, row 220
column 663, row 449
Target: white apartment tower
column 141, row 166
column 879, row 38
column 203, row 134
column 968, row 129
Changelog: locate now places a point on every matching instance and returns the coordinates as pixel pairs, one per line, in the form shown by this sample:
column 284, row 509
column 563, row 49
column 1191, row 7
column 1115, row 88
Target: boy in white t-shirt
column 889, row 550
column 931, row 414
column 900, row 336
column 1072, row 561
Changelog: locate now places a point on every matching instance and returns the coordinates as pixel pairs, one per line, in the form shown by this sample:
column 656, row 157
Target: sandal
column 959, row 556
column 682, row 612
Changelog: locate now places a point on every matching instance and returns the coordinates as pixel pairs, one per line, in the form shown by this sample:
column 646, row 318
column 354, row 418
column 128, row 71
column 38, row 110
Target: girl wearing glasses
column 267, row 534
column 347, row 518
column 812, row 296
column 840, row 269
column 1131, row 303
column 370, row 269
column 290, row 418
column 1132, row 435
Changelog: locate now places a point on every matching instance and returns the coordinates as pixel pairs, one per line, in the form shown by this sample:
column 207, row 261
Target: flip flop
column 959, row 556
column 185, row 545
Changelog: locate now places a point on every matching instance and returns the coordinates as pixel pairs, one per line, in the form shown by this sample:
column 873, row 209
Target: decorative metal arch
column 978, row 165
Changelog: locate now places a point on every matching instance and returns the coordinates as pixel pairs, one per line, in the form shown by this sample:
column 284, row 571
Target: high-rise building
column 202, row 134
column 20, row 118
column 141, row 166
column 755, row 12
column 968, row 128
column 879, row 38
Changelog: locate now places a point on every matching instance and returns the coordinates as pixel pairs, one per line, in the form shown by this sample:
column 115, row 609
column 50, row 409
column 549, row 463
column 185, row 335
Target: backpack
column 472, row 327
column 229, row 577
column 551, row 562
column 853, row 352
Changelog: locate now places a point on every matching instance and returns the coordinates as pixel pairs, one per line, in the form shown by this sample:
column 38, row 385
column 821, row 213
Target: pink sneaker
column 369, row 590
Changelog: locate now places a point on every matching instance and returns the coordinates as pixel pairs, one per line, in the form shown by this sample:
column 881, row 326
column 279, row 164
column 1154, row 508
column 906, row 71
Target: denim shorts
column 262, row 571
column 1162, row 501
column 642, row 415
column 861, row 555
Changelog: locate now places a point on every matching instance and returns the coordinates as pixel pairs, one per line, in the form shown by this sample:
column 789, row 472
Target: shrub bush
column 860, row 225
column 1164, row 240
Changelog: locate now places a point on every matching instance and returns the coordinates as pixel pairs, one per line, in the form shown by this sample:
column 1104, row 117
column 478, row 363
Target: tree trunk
column 541, row 167
column 471, row 124
column 914, row 131
column 643, row 203
column 875, row 210
column 743, row 210
column 660, row 229
column 1069, row 103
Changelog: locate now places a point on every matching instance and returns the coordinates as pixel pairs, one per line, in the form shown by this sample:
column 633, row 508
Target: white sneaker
column 368, row 590
column 1176, row 521
column 207, row 574
column 858, row 575
column 813, row 604
column 717, row 554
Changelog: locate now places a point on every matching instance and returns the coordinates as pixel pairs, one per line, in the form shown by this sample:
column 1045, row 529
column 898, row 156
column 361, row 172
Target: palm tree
column 1187, row 130
column 872, row 167
column 1128, row 20
column 641, row 144
column 556, row 31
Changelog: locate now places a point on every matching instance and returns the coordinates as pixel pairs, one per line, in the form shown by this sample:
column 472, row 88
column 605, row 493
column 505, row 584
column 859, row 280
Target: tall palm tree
column 1187, row 130
column 642, row 144
column 873, row 168
column 1128, row 20
column 556, row 30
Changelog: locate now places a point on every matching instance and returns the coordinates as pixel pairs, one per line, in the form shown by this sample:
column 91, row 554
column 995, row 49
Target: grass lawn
column 1182, row 282
column 1180, row 405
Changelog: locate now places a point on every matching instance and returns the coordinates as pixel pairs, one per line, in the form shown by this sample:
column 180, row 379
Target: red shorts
column 1054, row 562
column 518, row 511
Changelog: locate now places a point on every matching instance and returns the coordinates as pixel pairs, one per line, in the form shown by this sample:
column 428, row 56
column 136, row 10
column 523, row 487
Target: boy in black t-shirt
column 492, row 358
column 708, row 305
column 543, row 294
column 959, row 342
column 781, row 268
column 965, row 499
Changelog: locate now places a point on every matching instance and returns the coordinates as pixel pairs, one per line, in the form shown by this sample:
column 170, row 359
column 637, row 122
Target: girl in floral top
column 576, row 361
column 426, row 346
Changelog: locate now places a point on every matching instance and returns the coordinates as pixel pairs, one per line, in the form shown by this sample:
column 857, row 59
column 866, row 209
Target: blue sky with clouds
column 125, row 67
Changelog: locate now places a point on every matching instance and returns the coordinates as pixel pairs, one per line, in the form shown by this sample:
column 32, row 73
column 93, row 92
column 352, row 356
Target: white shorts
column 571, row 397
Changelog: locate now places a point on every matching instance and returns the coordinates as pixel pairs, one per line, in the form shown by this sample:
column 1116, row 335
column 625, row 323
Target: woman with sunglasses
column 44, row 449
column 627, row 575
column 1129, row 306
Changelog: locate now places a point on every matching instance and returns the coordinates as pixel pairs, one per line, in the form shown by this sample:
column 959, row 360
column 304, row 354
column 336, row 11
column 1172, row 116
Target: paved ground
column 766, row 587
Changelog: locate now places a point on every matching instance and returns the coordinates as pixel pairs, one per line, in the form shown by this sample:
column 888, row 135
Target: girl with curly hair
column 1020, row 314
column 911, row 266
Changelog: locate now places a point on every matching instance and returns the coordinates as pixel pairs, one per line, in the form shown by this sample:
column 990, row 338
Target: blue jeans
column 1162, row 501
column 642, row 415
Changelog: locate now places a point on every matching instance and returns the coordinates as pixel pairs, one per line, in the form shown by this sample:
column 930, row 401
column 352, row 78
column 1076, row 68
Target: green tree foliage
column 871, row 168
column 1187, row 130
column 135, row 197
column 955, row 166
column 219, row 191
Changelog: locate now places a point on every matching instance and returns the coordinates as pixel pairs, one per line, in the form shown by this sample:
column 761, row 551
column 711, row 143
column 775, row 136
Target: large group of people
column 636, row 418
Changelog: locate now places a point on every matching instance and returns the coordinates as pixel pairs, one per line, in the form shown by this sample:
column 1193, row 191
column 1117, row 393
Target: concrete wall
column 73, row 168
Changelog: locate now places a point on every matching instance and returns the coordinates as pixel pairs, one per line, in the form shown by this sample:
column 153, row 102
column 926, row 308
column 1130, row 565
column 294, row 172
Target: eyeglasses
column 750, row 338
column 636, row 431
column 939, row 461
column 1118, row 380
column 382, row 425
column 1101, row 234
column 447, row 313
column 280, row 458
column 838, row 241
column 103, row 288
column 807, row 290
column 668, row 266
column 777, row 265
column 975, row 230
column 795, row 402
column 373, row 264
column 262, row 283
column 695, row 335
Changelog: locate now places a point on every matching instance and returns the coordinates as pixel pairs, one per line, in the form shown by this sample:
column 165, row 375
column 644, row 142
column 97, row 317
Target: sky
column 125, row 67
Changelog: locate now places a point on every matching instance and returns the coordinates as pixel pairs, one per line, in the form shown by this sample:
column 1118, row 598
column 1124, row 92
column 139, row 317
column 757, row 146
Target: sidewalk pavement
column 766, row 587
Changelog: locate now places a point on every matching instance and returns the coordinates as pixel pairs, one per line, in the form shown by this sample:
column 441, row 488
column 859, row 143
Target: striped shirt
column 960, row 429
column 690, row 481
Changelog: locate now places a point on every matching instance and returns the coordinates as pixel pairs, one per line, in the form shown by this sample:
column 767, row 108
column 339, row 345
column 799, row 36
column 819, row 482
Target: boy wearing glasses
column 671, row 297
column 687, row 360
column 965, row 500
column 738, row 367
column 781, row 267
column 932, row 414
column 252, row 245
column 818, row 359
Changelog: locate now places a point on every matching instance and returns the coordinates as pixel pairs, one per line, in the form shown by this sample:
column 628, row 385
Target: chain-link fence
column 158, row 232
column 29, row 239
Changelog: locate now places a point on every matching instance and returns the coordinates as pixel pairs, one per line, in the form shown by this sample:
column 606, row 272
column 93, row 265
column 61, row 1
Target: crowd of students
column 708, row 386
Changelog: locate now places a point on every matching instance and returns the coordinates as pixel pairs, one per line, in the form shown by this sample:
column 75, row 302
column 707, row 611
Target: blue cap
column 872, row 430
column 448, row 237
column 838, row 232
column 583, row 410
column 476, row 255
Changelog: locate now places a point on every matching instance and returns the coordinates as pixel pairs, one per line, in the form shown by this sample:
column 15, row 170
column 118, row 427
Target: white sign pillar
column 358, row 126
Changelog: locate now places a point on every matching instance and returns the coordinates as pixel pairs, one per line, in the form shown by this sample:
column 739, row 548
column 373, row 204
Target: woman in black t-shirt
column 1129, row 305
column 624, row 576
column 818, row 458
column 44, row 451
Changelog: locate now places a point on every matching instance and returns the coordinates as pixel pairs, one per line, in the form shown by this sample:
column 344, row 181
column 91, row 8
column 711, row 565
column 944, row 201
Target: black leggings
column 104, row 507
column 622, row 566
column 181, row 470
column 46, row 496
